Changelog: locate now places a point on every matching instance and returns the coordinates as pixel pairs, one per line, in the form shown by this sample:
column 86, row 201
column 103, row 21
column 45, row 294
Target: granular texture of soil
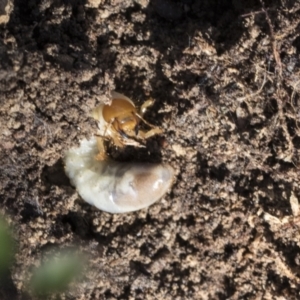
column 225, row 76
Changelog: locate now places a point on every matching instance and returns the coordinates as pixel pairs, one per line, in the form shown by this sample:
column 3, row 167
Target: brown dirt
column 225, row 77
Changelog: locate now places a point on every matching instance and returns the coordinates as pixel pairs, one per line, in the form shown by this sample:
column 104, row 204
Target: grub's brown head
column 122, row 115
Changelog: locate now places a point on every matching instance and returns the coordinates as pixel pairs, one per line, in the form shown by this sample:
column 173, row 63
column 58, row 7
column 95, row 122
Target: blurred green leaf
column 56, row 274
column 6, row 247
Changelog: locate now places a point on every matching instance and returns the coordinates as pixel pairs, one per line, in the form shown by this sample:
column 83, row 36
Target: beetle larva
column 112, row 186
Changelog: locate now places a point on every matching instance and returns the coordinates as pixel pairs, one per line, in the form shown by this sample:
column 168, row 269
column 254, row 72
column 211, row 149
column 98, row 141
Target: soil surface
column 225, row 77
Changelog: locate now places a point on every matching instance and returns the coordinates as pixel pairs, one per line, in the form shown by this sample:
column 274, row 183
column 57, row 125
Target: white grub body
column 112, row 186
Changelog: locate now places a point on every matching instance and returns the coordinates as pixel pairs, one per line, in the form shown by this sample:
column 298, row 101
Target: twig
column 273, row 40
column 253, row 13
column 257, row 92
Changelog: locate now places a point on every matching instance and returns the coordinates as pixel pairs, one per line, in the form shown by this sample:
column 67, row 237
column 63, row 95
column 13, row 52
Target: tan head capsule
column 112, row 186
column 120, row 121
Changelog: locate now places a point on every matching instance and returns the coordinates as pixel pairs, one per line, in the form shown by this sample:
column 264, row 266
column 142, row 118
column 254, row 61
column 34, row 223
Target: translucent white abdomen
column 112, row 186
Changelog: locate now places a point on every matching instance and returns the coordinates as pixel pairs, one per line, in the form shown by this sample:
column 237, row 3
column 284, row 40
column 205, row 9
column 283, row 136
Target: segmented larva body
column 115, row 187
